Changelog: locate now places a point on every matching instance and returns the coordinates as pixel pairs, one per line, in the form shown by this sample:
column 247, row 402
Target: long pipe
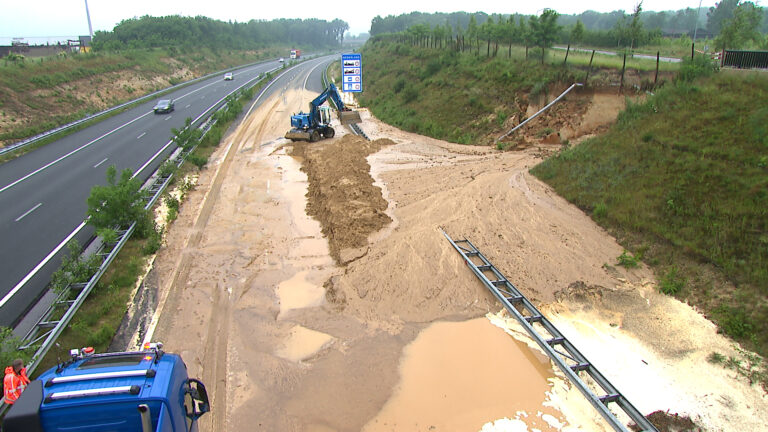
column 539, row 112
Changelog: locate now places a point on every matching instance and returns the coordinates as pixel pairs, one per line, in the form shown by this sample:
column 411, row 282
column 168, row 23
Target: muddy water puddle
column 297, row 292
column 303, row 343
column 294, row 189
column 463, row 375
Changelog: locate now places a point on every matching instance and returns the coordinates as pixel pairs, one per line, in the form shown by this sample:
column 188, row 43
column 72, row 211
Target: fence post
column 656, row 78
column 566, row 54
column 589, row 70
column 692, row 45
column 623, row 68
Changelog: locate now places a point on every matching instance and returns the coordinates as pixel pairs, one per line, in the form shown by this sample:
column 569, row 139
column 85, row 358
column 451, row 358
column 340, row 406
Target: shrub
column 672, row 283
column 698, row 66
column 197, row 160
column 600, row 211
column 627, row 260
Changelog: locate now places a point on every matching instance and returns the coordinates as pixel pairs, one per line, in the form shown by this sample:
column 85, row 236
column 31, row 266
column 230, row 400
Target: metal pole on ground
column 589, row 70
column 566, row 54
column 656, row 78
column 623, row 68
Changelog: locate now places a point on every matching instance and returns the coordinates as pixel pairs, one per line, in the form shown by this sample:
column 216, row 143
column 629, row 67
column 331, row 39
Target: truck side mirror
column 196, row 389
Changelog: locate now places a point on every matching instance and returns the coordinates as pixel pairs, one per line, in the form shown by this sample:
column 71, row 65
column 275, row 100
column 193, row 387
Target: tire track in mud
column 215, row 352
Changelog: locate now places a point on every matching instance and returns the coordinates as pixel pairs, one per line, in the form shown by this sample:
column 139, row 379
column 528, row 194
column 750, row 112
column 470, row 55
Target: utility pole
column 695, row 26
column 88, row 14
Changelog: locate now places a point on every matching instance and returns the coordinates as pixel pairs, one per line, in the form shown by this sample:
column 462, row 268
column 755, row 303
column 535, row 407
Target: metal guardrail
column 571, row 362
column 48, row 327
column 88, row 118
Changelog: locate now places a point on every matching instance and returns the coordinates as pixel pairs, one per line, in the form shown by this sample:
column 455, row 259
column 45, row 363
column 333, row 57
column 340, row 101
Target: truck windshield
column 108, row 361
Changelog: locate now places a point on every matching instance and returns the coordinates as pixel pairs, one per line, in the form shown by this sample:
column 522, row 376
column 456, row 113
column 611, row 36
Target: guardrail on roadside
column 49, row 327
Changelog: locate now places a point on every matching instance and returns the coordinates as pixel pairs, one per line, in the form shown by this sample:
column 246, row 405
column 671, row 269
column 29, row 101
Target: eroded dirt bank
column 288, row 340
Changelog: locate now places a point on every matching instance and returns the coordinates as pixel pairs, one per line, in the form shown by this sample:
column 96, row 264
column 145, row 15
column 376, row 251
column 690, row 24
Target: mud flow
column 311, row 288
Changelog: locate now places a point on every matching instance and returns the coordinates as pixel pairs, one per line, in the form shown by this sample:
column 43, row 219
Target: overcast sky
column 61, row 18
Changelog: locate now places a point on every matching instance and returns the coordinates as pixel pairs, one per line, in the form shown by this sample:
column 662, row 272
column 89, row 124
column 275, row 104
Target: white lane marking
column 168, row 118
column 28, row 212
column 142, row 134
column 189, row 105
column 50, row 164
column 40, row 265
column 97, row 165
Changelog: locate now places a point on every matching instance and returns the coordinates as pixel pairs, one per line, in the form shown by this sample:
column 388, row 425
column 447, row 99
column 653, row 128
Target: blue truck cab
column 142, row 391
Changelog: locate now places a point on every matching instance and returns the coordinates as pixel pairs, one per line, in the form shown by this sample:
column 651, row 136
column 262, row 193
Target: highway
column 43, row 193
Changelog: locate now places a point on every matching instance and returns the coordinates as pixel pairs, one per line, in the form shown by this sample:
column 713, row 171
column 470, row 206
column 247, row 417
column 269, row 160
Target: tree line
column 745, row 24
column 178, row 31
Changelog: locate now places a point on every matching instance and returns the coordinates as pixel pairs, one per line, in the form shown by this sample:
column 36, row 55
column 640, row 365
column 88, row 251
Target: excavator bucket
column 349, row 117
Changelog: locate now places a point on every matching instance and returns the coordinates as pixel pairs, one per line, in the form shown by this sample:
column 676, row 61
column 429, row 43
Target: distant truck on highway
column 295, row 54
column 147, row 391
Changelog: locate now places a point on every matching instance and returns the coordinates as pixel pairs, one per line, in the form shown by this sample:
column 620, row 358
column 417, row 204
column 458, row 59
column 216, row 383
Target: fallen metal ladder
column 571, row 362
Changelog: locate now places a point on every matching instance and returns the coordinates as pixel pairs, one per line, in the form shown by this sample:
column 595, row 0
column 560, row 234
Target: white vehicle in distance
column 282, row 59
column 228, row 76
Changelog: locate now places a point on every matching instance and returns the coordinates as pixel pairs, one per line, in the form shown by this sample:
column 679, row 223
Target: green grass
column 685, row 172
column 445, row 94
column 465, row 97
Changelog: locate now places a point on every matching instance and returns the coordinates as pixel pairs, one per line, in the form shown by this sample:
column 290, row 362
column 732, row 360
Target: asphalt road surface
column 43, row 193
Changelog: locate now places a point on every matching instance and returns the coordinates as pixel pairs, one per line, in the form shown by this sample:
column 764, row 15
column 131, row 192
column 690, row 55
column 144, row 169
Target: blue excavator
column 316, row 123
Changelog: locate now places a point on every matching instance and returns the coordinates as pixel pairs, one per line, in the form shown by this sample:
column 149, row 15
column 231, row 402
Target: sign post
column 352, row 73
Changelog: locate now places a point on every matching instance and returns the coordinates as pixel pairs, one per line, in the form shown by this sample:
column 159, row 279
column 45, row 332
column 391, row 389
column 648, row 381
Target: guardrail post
column 656, row 78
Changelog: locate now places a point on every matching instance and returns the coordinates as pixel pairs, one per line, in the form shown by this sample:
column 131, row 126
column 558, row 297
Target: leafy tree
column 719, row 13
column 9, row 348
column 577, row 33
column 472, row 31
column 544, row 30
column 119, row 203
column 742, row 28
column 188, row 136
column 178, row 31
column 74, row 268
column 636, row 26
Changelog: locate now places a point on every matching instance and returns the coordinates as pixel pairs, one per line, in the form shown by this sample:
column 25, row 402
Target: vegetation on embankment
column 447, row 94
column 99, row 318
column 37, row 95
column 682, row 180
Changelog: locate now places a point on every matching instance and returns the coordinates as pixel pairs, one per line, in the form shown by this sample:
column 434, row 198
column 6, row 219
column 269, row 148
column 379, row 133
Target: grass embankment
column 100, row 316
column 682, row 180
column 40, row 94
column 445, row 94
column 465, row 97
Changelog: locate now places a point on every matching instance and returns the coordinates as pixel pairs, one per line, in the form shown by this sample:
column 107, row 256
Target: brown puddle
column 302, row 344
column 297, row 293
column 294, row 189
column 458, row 376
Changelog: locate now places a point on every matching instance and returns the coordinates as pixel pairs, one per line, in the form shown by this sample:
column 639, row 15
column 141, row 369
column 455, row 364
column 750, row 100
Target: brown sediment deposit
column 364, row 317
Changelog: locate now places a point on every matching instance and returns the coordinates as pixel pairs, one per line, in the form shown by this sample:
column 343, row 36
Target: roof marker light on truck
column 133, row 389
column 149, row 373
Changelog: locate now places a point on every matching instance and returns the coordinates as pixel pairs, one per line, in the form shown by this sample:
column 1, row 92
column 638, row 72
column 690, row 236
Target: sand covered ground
column 311, row 288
